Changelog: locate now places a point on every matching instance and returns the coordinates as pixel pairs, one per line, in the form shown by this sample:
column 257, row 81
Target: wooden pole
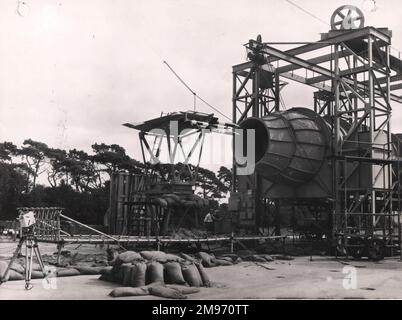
column 92, row 229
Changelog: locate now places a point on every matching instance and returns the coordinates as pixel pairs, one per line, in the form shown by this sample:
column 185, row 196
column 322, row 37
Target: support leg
column 26, row 260
column 28, row 270
column 15, row 255
column 40, row 261
column 59, row 248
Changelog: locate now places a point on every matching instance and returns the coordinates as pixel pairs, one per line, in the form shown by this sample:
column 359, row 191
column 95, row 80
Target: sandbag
column 107, row 274
column 258, row 258
column 207, row 260
column 127, row 257
column 117, row 271
column 170, row 202
column 39, row 274
column 203, row 274
column 67, row 272
column 190, row 203
column 283, row 257
column 118, row 275
column 267, row 257
column 173, row 273
column 191, row 275
column 108, row 277
column 14, row 275
column 254, row 258
column 238, row 260
column 226, row 258
column 155, row 272
column 220, row 262
column 183, row 289
column 89, row 270
column 164, row 292
column 112, row 255
column 138, row 274
column 187, row 257
column 159, row 256
column 3, row 268
column 162, row 202
column 172, row 257
column 129, row 292
column 126, row 269
column 106, row 270
column 36, row 267
column 17, row 267
column 233, row 256
column 173, row 196
column 200, row 203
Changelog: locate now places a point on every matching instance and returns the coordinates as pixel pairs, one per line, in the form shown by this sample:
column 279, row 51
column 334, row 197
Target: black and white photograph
column 199, row 151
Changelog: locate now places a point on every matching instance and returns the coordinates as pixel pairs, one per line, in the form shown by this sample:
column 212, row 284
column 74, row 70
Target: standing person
column 209, row 222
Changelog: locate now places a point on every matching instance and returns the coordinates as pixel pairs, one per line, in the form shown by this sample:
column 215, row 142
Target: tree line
column 35, row 174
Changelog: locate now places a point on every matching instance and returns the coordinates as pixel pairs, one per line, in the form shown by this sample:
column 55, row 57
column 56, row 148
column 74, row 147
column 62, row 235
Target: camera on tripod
column 27, row 222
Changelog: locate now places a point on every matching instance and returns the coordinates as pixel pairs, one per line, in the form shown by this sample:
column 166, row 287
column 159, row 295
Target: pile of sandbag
column 137, row 270
column 171, row 200
column 155, row 273
column 209, row 260
column 17, row 271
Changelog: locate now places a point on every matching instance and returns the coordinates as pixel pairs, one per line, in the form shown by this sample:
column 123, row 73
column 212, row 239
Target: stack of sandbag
column 209, row 260
column 13, row 274
column 171, row 200
column 17, row 271
column 137, row 270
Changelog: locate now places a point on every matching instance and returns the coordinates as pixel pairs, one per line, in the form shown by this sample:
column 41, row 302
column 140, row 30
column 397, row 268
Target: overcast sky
column 71, row 72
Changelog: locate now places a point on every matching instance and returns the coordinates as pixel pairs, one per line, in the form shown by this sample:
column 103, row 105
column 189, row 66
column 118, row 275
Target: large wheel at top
column 347, row 18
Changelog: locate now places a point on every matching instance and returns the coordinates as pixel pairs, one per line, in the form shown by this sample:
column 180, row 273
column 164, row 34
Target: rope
column 307, row 12
column 193, row 93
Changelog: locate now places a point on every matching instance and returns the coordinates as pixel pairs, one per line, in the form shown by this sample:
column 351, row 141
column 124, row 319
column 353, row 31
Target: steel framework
column 356, row 77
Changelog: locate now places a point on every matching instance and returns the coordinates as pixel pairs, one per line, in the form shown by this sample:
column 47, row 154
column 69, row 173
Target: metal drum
column 290, row 145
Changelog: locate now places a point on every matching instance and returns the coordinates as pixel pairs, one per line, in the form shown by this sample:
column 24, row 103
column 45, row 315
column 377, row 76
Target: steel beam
column 341, row 73
column 338, row 38
column 242, row 66
column 281, row 55
column 303, row 80
column 317, row 60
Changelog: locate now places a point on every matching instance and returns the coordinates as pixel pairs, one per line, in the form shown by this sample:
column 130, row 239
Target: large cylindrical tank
column 290, row 146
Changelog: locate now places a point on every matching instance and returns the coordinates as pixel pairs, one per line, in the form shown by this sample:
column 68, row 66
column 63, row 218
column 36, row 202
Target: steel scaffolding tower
column 356, row 77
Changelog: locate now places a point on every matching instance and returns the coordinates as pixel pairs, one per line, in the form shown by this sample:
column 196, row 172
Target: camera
column 27, row 219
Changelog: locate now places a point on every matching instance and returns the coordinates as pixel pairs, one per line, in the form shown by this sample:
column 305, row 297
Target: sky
column 71, row 72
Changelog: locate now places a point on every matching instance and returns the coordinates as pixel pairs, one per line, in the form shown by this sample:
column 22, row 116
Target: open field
column 322, row 278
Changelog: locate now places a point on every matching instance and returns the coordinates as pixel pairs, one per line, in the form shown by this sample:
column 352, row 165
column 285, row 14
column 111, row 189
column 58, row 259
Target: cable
column 178, row 77
column 307, row 12
column 194, row 94
column 213, row 108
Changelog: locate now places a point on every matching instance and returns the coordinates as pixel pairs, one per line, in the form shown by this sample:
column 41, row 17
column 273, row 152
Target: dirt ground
column 321, row 278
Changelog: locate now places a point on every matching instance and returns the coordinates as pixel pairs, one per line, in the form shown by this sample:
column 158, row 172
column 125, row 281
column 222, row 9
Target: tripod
column 31, row 246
